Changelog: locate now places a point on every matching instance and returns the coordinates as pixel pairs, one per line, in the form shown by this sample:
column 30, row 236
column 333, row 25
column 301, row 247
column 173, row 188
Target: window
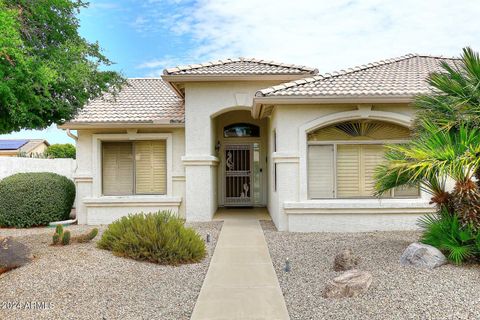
column 134, row 167
column 241, row 130
column 342, row 159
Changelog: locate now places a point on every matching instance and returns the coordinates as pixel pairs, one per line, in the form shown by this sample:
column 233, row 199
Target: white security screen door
column 238, row 175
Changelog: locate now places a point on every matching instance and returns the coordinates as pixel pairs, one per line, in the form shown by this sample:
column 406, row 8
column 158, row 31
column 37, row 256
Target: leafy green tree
column 47, row 70
column 58, row 150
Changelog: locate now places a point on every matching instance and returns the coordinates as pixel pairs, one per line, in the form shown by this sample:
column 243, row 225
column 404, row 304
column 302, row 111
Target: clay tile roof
column 142, row 100
column 240, row 66
column 405, row 75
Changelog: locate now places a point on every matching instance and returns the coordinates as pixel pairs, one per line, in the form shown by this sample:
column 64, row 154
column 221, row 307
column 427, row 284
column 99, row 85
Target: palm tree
column 455, row 96
column 428, row 160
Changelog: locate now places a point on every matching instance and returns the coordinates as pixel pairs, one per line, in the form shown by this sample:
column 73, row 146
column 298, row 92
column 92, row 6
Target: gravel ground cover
column 80, row 281
column 397, row 292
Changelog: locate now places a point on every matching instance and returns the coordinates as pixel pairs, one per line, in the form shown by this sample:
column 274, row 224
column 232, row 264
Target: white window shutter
column 373, row 155
column 320, row 171
column 349, row 171
column 117, row 168
column 150, row 167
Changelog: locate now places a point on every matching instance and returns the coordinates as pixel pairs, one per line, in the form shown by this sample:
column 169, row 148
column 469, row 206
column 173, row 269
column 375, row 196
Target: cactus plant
column 57, row 236
column 56, row 239
column 86, row 237
column 66, row 238
column 59, row 229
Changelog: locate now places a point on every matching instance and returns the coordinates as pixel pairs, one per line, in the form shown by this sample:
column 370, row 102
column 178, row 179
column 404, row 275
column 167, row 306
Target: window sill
column 367, row 206
column 134, row 200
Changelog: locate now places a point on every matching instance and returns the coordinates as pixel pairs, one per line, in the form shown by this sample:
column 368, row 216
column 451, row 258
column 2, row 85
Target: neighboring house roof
column 403, row 76
column 141, row 100
column 241, row 66
column 14, row 146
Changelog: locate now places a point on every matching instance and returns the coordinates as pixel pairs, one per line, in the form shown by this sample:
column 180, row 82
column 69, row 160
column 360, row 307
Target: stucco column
column 201, row 187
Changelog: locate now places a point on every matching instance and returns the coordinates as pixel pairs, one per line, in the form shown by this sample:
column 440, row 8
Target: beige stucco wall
column 93, row 208
column 289, row 205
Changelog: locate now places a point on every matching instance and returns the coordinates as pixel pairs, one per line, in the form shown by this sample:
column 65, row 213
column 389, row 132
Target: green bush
column 35, row 199
column 444, row 231
column 156, row 237
column 58, row 150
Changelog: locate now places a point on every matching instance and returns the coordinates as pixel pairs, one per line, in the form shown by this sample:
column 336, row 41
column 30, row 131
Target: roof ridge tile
column 191, row 67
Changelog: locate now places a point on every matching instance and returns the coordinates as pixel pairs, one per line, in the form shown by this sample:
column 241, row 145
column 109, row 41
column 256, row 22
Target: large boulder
column 345, row 260
column 349, row 284
column 13, row 254
column 422, row 255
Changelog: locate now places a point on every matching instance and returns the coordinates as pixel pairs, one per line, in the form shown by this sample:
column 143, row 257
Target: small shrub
column 445, row 232
column 156, row 237
column 86, row 237
column 35, row 199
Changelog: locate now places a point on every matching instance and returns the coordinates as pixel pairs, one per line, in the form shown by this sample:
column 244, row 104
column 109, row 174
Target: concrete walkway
column 241, row 282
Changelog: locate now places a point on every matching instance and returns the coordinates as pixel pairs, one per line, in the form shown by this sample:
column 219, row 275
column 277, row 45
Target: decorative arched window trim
column 360, row 129
column 241, row 130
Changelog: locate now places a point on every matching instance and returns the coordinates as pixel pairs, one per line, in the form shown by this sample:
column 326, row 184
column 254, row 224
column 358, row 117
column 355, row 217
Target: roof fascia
column 259, row 102
column 125, row 125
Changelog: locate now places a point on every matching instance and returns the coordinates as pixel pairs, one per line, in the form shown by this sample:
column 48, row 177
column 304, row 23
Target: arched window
column 241, row 130
column 342, row 158
column 360, row 130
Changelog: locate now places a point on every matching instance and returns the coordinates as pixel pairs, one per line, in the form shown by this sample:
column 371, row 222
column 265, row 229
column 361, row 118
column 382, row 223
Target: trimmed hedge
column 35, row 199
column 155, row 237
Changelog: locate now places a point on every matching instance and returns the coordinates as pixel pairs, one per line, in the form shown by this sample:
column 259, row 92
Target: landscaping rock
column 13, row 254
column 349, row 284
column 345, row 260
column 422, row 255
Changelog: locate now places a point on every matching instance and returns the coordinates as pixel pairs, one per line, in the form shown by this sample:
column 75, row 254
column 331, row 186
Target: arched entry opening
column 241, row 147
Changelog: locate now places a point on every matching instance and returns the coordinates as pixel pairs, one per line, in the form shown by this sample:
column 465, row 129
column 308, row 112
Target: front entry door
column 238, row 174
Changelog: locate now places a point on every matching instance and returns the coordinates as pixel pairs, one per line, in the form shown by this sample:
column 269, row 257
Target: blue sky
column 145, row 36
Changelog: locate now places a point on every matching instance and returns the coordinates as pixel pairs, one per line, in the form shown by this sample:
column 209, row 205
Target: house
column 247, row 132
column 23, row 147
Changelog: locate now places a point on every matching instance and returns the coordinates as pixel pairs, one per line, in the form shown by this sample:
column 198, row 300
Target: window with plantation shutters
column 150, row 167
column 342, row 159
column 138, row 167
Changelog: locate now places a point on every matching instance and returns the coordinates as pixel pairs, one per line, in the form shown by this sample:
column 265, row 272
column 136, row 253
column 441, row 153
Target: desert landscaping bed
column 397, row 292
column 80, row 281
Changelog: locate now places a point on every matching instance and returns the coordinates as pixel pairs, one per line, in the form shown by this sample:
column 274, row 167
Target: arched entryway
column 241, row 147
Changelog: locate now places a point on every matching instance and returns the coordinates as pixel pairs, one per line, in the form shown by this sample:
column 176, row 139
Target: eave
column 125, row 125
column 259, row 103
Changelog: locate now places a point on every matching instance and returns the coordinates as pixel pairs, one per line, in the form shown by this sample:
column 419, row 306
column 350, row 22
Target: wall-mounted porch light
column 217, row 146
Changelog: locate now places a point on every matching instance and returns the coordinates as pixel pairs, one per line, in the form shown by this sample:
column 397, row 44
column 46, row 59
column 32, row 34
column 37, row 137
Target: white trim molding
column 362, row 112
column 130, row 136
column 200, row 160
column 132, row 201
column 280, row 157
